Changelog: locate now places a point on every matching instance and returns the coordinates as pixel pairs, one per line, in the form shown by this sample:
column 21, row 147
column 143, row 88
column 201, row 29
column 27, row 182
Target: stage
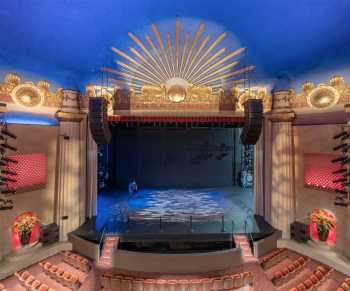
column 175, row 212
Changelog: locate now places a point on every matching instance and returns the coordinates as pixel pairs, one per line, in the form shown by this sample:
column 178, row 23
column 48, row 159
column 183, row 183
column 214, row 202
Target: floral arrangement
column 24, row 225
column 324, row 222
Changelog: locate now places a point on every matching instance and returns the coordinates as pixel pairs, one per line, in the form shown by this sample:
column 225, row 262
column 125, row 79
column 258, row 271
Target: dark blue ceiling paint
column 13, row 117
column 67, row 41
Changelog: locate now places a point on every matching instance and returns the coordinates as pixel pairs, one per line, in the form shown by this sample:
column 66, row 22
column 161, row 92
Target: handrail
column 101, row 240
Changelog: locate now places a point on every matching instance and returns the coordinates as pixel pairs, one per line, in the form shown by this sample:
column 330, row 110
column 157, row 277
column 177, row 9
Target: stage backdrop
column 167, row 157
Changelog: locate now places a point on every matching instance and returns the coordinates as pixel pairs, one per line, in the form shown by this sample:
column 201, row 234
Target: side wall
column 32, row 139
column 316, row 139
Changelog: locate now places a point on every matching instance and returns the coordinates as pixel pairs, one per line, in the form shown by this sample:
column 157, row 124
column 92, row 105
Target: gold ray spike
column 184, row 51
column 194, row 43
column 147, row 65
column 158, row 54
column 135, row 71
column 123, row 83
column 161, row 46
column 177, row 44
column 223, row 60
column 228, row 75
column 205, row 54
column 218, row 71
column 201, row 47
column 170, row 52
column 133, row 61
column 206, row 63
column 128, row 75
column 146, row 51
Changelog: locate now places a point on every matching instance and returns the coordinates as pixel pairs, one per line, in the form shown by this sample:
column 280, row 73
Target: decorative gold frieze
column 322, row 96
column 258, row 92
column 28, row 94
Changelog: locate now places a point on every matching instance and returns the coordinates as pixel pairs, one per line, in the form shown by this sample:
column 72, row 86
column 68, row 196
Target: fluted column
column 259, row 176
column 71, row 170
column 91, row 186
column 282, row 196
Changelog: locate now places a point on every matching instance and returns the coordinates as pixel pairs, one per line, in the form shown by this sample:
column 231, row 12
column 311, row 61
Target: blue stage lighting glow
column 30, row 118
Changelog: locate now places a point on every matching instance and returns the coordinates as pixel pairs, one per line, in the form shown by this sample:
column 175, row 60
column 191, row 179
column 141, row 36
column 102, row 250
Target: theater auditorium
column 189, row 145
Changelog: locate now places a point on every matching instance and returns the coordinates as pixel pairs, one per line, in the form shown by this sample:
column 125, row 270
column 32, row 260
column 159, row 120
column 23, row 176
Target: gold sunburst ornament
column 178, row 66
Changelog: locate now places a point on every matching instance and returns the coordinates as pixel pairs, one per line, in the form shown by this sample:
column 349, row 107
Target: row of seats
column 313, row 281
column 2, row 287
column 30, row 283
column 227, row 282
column 273, row 258
column 63, row 277
column 284, row 275
column 344, row 286
column 76, row 261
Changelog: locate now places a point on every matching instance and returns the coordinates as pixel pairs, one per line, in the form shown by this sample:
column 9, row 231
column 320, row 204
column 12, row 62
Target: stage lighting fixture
column 339, row 171
column 9, row 134
column 341, row 146
column 8, row 191
column 339, row 135
column 341, row 191
column 340, row 180
column 8, row 172
column 340, row 159
column 8, row 160
column 6, row 179
column 7, row 146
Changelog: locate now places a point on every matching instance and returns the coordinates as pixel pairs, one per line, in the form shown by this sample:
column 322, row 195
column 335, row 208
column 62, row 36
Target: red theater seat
column 301, row 287
column 308, row 283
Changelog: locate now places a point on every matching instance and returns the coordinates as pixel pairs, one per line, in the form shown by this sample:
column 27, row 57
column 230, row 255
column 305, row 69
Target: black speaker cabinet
column 98, row 120
column 299, row 231
column 253, row 109
column 49, row 233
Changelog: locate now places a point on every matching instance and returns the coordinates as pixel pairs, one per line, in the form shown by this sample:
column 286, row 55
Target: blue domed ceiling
column 67, row 41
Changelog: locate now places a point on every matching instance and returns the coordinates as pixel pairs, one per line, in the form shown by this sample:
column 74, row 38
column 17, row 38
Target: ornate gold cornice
column 28, row 94
column 68, row 116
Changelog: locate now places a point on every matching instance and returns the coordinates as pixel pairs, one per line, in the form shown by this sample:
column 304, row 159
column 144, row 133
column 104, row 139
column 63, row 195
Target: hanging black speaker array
column 253, row 112
column 6, row 175
column 98, row 120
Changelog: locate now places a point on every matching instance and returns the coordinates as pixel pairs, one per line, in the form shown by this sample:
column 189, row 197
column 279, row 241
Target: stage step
column 110, row 243
column 242, row 242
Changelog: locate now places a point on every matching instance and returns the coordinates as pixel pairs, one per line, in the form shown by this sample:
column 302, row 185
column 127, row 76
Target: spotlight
column 340, row 159
column 338, row 147
column 8, row 191
column 7, row 146
column 341, row 191
column 8, row 160
column 342, row 134
column 8, row 172
column 340, row 180
column 339, row 171
column 6, row 179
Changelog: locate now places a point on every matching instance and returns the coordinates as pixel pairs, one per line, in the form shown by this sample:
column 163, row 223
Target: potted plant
column 324, row 223
column 24, row 225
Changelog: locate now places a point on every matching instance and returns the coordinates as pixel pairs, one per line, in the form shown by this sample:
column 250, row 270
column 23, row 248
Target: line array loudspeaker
column 98, row 120
column 253, row 112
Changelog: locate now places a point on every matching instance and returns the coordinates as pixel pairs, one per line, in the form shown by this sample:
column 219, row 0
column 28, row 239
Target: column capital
column 70, row 116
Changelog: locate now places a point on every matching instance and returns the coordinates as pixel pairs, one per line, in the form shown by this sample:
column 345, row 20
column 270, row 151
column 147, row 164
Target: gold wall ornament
column 257, row 92
column 28, row 94
column 323, row 96
column 102, row 91
column 185, row 67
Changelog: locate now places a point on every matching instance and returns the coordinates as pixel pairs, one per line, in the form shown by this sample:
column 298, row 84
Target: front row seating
column 30, row 283
column 76, row 261
column 63, row 277
column 226, row 282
